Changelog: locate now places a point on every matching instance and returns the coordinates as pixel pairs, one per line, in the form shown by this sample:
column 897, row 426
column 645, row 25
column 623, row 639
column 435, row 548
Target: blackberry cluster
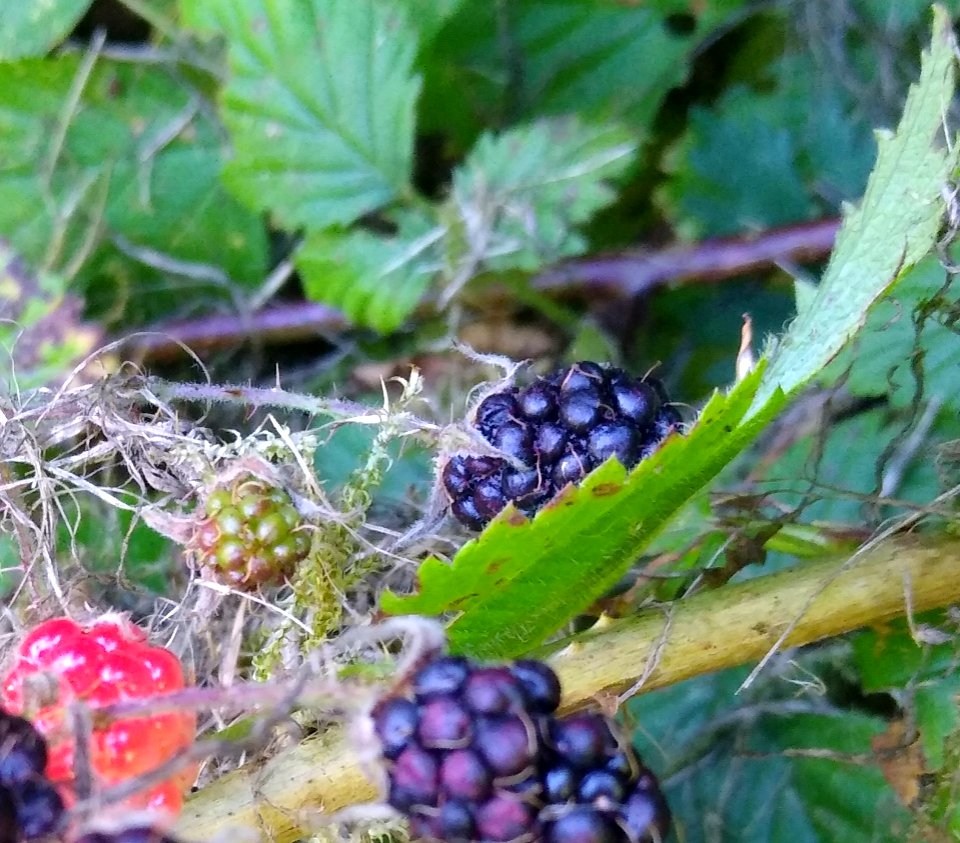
column 134, row 834
column 558, row 428
column 249, row 537
column 30, row 807
column 476, row 753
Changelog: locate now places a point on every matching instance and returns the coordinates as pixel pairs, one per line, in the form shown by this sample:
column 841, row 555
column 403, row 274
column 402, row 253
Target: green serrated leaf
column 428, row 16
column 580, row 544
column 320, row 105
column 520, row 194
column 376, row 281
column 745, row 767
column 32, row 27
column 894, row 227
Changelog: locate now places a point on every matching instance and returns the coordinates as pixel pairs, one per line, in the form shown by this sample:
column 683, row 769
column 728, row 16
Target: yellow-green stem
column 709, row 631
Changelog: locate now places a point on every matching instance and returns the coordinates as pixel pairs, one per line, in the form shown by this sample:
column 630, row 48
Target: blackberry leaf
column 377, row 281
column 534, row 184
column 789, row 766
column 580, row 544
column 894, row 227
column 319, row 105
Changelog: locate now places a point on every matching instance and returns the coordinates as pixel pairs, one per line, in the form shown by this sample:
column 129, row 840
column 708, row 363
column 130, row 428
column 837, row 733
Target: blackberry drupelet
column 30, row 807
column 553, row 432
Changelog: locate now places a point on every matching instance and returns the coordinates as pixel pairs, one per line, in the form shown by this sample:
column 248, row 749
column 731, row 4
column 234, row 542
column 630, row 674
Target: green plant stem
column 707, row 632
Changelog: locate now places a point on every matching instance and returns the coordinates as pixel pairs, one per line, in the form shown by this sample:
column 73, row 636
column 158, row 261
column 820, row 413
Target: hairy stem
column 710, row 631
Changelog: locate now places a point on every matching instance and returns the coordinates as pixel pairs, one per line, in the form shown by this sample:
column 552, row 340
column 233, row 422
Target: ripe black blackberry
column 555, row 431
column 475, row 754
column 595, row 789
column 30, row 807
column 463, row 749
column 133, row 834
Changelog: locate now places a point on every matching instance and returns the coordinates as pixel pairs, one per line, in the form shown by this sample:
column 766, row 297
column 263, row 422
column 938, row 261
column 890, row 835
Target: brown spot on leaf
column 605, row 489
column 495, row 565
column 516, row 519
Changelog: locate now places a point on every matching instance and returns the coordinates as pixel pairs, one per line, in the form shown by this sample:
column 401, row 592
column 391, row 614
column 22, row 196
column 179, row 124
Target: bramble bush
column 260, row 258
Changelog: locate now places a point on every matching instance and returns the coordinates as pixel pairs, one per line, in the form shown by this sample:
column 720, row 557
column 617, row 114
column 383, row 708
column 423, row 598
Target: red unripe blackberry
column 99, row 664
column 250, row 535
column 552, row 432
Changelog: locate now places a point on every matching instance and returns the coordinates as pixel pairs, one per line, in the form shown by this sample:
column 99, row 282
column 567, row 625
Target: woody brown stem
column 619, row 275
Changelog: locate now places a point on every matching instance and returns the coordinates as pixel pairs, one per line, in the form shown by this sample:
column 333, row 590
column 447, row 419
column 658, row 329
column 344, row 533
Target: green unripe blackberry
column 250, row 535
